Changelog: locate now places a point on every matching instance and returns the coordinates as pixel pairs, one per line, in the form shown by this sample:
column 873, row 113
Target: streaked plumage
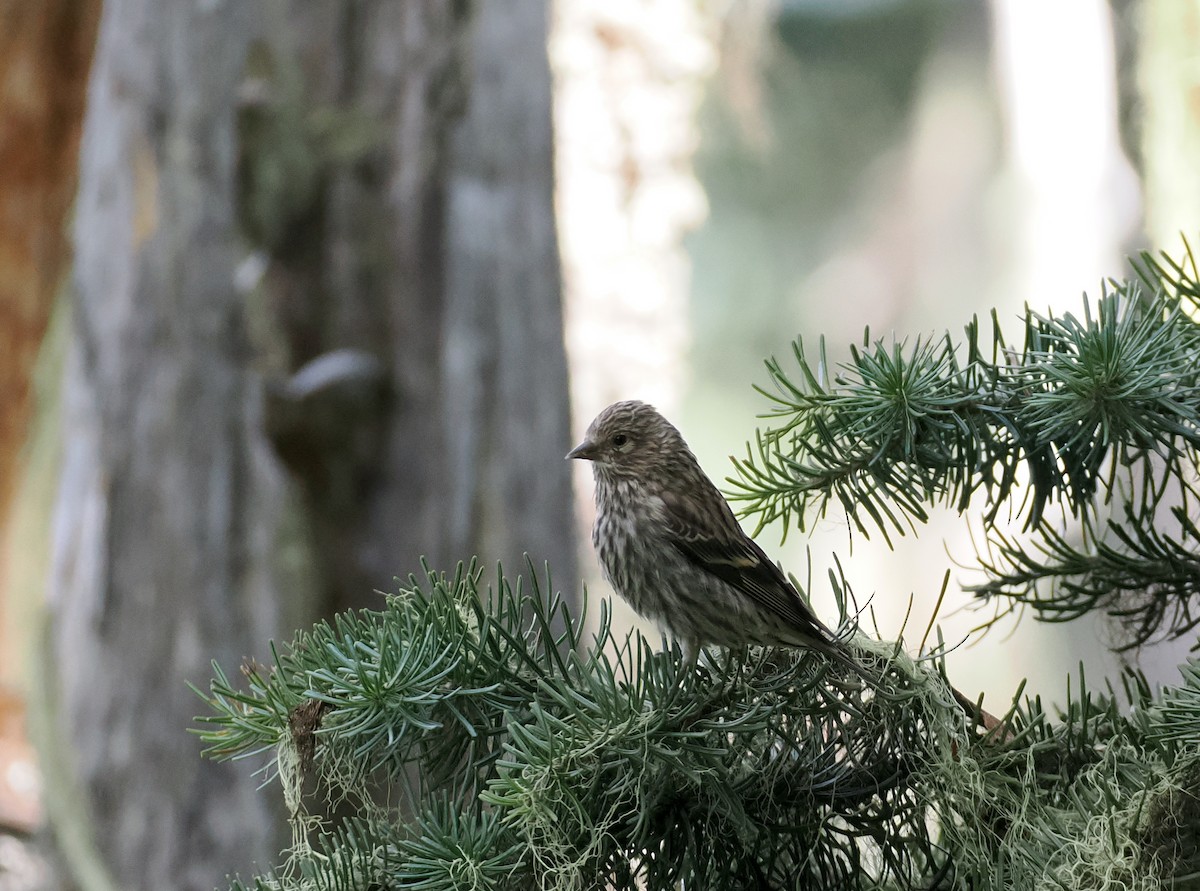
column 671, row 546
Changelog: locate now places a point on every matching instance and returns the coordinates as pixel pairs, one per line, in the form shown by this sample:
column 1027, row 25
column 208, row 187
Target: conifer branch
column 484, row 739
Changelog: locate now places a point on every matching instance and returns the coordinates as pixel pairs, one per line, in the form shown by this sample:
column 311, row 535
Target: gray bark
column 390, row 164
column 505, row 372
column 169, row 500
column 438, row 255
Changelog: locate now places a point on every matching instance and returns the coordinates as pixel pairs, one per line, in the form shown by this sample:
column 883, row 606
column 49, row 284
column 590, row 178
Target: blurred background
column 294, row 293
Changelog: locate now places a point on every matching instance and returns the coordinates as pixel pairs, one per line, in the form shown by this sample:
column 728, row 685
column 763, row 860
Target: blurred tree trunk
column 317, row 335
column 427, row 240
column 169, row 511
column 45, row 52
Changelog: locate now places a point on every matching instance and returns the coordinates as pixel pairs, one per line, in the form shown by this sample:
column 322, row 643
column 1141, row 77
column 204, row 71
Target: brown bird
column 670, row 545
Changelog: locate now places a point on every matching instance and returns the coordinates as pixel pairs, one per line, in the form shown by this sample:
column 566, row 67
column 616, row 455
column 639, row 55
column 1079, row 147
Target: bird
column 670, row 545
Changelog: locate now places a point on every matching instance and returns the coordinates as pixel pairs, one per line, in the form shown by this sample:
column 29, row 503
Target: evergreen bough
column 477, row 737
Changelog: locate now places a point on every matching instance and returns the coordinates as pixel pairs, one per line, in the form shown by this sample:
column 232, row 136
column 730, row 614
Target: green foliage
column 472, row 738
column 1098, row 416
column 482, row 748
column 527, row 757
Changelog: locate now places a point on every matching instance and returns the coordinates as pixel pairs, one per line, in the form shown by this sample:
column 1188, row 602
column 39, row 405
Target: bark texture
column 504, row 365
column 169, row 502
column 317, row 336
column 435, row 252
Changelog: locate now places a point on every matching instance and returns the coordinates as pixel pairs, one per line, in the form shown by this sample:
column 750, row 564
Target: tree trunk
column 505, row 374
column 428, row 242
column 170, row 504
column 45, row 53
column 317, row 335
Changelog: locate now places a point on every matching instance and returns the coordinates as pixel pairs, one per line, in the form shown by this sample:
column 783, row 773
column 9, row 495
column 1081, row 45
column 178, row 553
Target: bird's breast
column 624, row 537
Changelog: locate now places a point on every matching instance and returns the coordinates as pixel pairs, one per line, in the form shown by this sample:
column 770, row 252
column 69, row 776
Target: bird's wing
column 719, row 546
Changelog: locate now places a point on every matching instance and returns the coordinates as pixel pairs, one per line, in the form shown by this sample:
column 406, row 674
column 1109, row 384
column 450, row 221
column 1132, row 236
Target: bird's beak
column 585, row 450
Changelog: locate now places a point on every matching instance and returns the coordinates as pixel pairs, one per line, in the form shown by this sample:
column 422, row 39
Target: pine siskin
column 671, row 546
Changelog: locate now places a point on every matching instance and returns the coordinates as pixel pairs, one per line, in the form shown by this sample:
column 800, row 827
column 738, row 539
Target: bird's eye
column 620, row 439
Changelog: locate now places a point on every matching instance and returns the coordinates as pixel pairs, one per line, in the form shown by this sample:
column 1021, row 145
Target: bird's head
column 630, row 439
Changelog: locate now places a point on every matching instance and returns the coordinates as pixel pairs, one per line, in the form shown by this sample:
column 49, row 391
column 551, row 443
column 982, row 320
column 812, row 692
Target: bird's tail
column 868, row 665
column 839, row 651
